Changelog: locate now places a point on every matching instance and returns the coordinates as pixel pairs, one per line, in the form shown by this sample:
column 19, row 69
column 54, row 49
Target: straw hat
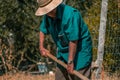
column 45, row 6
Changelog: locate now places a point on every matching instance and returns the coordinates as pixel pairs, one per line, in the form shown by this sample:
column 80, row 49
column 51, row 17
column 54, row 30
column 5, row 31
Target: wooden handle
column 65, row 66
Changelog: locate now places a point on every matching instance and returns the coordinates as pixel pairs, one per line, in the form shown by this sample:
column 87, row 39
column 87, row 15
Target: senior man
column 71, row 36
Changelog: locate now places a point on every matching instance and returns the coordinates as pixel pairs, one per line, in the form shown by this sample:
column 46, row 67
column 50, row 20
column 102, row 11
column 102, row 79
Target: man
column 71, row 35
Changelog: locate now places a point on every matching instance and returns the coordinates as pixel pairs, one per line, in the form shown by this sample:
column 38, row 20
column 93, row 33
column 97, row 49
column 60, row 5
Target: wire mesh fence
column 111, row 60
column 112, row 44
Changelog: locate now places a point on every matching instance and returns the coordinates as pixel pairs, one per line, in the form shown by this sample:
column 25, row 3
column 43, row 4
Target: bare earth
column 23, row 76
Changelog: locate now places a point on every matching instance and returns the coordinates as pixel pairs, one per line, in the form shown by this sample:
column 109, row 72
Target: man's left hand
column 70, row 68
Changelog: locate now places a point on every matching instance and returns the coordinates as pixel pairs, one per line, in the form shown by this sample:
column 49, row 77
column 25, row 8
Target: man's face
column 52, row 13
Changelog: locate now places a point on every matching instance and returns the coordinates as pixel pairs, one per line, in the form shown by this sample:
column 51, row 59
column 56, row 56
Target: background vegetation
column 19, row 33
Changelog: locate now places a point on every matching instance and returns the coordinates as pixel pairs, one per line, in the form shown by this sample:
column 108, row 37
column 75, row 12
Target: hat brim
column 44, row 10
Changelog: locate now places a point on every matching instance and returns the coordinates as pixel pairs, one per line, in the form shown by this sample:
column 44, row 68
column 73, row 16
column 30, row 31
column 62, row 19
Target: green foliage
column 19, row 30
column 19, row 23
column 82, row 5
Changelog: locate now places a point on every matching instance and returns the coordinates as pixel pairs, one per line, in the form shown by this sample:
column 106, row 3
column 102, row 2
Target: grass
column 23, row 76
column 26, row 76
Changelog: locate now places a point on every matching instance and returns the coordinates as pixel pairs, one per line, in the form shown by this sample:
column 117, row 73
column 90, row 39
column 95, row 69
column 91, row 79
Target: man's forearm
column 41, row 39
column 43, row 51
column 72, row 50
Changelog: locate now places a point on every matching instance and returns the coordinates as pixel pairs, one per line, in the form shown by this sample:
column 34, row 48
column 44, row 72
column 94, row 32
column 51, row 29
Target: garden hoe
column 65, row 66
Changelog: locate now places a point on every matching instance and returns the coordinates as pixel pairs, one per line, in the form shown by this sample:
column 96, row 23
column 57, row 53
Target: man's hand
column 44, row 51
column 70, row 67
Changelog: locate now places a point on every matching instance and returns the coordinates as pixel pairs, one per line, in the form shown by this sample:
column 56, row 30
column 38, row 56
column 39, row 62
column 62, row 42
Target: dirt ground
column 24, row 76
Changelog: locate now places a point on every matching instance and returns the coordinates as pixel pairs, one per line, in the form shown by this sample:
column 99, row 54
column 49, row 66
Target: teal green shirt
column 69, row 26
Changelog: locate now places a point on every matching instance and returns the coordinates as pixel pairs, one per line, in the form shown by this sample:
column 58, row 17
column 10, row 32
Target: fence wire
column 112, row 45
column 111, row 60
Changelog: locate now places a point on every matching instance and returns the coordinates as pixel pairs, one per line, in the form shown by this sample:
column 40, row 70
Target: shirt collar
column 59, row 12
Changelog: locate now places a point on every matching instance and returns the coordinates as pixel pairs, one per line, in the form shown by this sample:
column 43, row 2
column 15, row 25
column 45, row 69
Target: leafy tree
column 19, row 31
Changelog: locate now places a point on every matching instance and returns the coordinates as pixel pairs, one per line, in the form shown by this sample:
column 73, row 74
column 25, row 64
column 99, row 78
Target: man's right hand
column 44, row 51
